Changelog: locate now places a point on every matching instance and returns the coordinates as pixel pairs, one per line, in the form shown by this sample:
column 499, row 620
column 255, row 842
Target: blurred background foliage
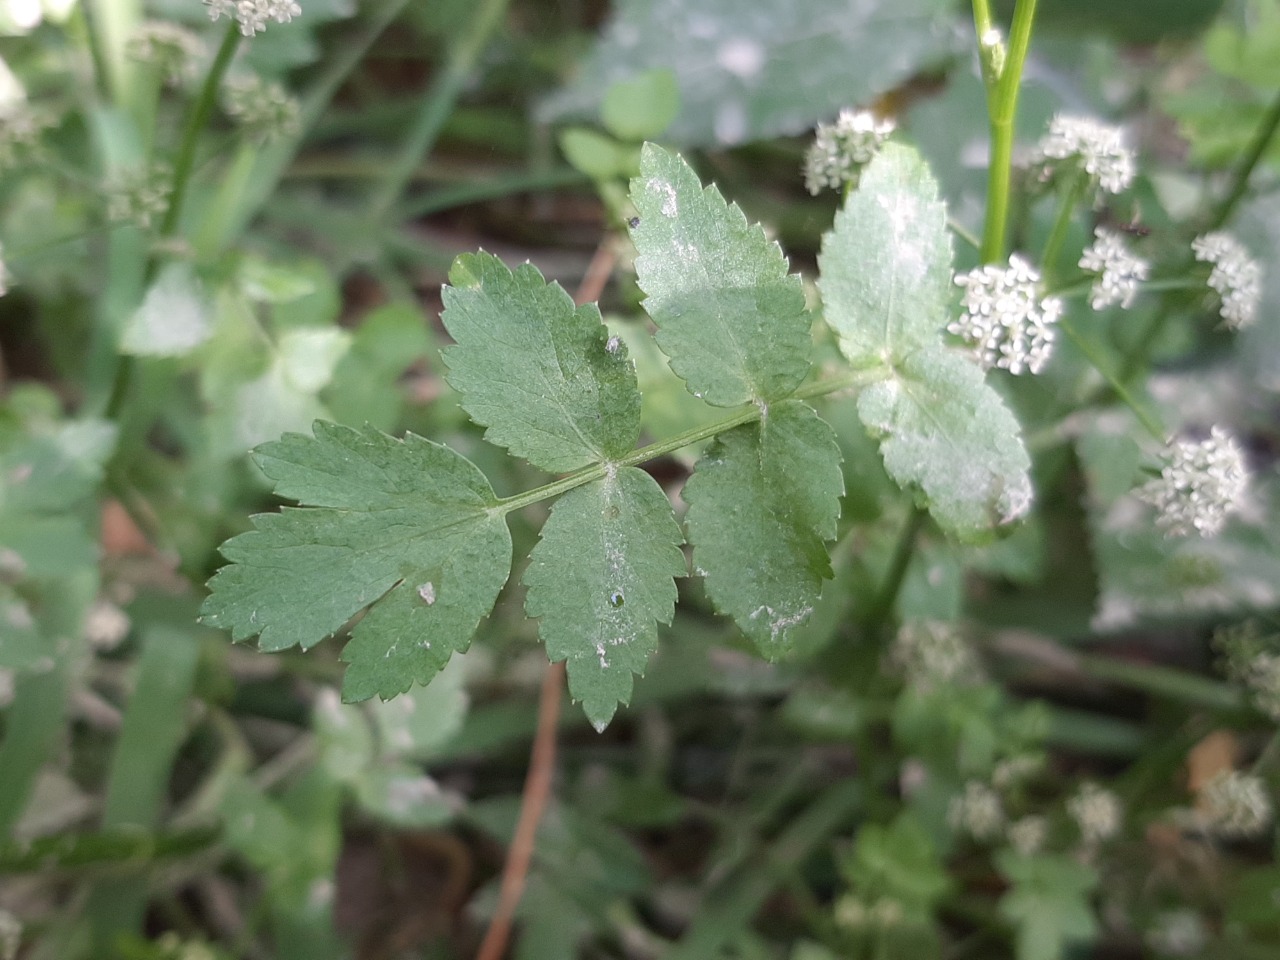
column 164, row 794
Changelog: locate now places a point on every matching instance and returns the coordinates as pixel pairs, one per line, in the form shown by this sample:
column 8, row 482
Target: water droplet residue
column 616, row 600
column 613, row 343
column 427, row 591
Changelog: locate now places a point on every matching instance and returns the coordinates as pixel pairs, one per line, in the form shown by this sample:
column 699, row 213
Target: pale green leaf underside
column 403, row 525
column 601, row 580
column 543, row 375
column 761, row 502
column 886, row 262
column 946, row 433
column 729, row 316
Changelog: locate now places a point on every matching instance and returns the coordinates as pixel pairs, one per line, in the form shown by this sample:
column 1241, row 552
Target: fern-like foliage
column 412, row 532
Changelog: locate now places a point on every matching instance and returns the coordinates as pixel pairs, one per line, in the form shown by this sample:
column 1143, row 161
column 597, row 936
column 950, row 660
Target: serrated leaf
column 600, row 581
column 729, row 316
column 403, row 525
column 761, row 503
column 1048, row 903
column 543, row 375
column 886, row 262
column 945, row 432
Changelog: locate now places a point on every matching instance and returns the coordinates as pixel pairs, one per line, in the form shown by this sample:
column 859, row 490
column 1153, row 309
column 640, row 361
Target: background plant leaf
column 730, row 317
column 543, row 375
column 750, row 71
column 404, row 525
column 761, row 502
column 600, row 581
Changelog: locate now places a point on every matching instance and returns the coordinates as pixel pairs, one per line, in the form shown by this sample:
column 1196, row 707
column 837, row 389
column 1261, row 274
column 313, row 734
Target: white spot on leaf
column 427, row 591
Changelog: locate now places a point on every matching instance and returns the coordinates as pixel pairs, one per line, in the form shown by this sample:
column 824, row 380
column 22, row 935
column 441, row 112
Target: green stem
column 882, row 606
column 1061, row 223
column 1164, row 682
column 196, row 121
column 1002, row 108
column 1116, row 383
column 670, row 445
column 436, row 106
column 1262, row 139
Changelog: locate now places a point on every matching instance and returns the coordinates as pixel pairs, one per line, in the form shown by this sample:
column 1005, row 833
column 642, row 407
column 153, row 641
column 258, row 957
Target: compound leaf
column 729, row 316
column 543, row 375
column 886, row 263
column 601, row 579
column 945, row 432
column 403, row 525
column 761, row 502
column 1049, row 903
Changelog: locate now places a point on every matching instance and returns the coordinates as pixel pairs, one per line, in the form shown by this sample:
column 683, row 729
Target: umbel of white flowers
column 1005, row 319
column 252, row 15
column 1236, row 277
column 1201, row 484
column 1120, row 272
column 839, row 150
column 1096, row 148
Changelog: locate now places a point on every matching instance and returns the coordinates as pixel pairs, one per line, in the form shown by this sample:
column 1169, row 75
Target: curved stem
column 1116, row 383
column 1061, row 223
column 896, row 575
column 1262, row 139
column 537, row 788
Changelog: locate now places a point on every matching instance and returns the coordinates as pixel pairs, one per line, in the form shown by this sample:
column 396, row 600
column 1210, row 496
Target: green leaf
column 761, row 503
column 945, row 432
column 1048, row 903
column 886, row 263
column 404, row 525
column 543, row 375
column 753, row 72
column 729, row 316
column 643, row 107
column 599, row 156
column 601, row 579
column 175, row 316
column 899, row 860
column 365, row 387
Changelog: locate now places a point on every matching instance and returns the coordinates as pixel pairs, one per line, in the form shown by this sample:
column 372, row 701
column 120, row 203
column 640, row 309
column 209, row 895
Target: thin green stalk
column 670, row 445
column 1117, row 385
column 1262, row 139
column 197, row 119
column 896, row 575
column 436, row 106
column 449, row 198
column 1061, row 224
column 1002, row 108
column 1166, row 682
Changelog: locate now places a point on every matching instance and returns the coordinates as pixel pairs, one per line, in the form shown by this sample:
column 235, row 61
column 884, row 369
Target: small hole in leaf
column 616, row 600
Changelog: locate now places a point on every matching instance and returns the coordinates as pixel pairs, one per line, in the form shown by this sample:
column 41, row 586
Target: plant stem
column 1164, row 682
column 896, row 575
column 1262, row 139
column 670, row 445
column 537, row 788
column 435, row 107
column 1061, row 223
column 196, row 121
column 1117, row 385
column 1002, row 108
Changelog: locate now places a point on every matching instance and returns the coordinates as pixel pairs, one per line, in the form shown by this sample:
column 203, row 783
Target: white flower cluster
column 839, row 149
column 978, row 811
column 252, row 15
column 1097, row 812
column 1236, row 277
column 1253, row 660
column 1100, row 150
column 1200, row 485
column 1005, row 318
column 1236, row 805
column 172, row 49
column 1178, row 933
column 934, row 655
column 264, row 109
column 1028, row 834
column 20, row 129
column 139, row 195
column 1119, row 270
